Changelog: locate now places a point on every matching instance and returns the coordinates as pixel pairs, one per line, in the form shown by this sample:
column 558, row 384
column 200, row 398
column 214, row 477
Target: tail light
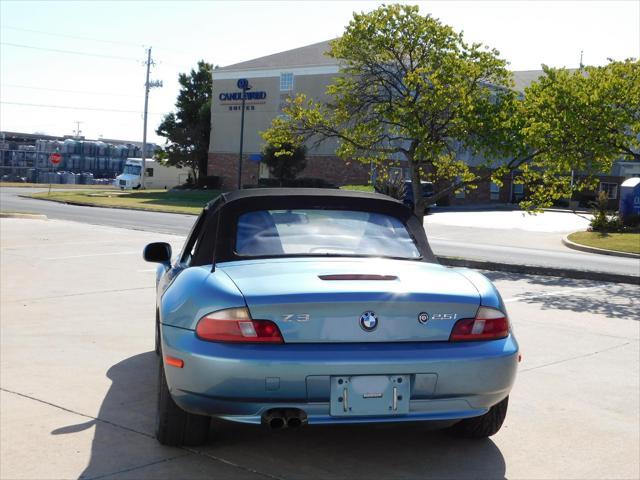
column 236, row 325
column 489, row 324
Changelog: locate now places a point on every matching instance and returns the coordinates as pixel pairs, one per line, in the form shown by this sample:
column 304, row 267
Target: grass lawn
column 359, row 188
column 622, row 242
column 157, row 200
column 55, row 185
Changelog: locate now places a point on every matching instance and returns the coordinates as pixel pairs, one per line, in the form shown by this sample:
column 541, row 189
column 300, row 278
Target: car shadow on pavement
column 123, row 444
column 613, row 300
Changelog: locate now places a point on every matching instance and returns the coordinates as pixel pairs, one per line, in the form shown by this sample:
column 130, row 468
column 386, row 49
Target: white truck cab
column 130, row 176
column 157, row 175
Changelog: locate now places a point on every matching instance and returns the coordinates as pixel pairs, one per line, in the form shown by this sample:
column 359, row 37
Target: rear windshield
column 323, row 232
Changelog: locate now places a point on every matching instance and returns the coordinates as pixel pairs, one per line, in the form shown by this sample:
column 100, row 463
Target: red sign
column 55, row 158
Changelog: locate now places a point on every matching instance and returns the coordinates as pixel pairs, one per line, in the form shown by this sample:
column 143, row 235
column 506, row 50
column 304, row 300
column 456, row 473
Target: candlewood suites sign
column 235, row 98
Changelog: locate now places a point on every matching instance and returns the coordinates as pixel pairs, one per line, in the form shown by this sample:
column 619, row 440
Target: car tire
column 174, row 426
column 157, row 327
column 483, row 426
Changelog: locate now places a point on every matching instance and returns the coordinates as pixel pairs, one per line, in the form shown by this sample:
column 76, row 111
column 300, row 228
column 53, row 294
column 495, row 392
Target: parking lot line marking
column 576, row 357
column 228, row 462
column 39, row 400
column 94, row 292
column 93, row 255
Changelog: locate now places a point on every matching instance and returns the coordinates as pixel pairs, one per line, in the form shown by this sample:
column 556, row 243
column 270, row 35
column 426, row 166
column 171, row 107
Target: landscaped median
column 172, row 201
column 625, row 244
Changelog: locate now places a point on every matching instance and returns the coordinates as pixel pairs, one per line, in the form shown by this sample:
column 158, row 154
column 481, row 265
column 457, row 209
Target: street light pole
column 243, row 84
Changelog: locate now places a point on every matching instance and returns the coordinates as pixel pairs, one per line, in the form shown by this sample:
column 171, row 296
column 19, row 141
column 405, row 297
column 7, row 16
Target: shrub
column 393, row 187
column 602, row 221
column 285, row 162
column 210, row 181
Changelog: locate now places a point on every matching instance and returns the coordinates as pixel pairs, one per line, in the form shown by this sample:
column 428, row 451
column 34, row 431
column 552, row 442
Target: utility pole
column 148, row 85
column 77, row 131
column 144, row 128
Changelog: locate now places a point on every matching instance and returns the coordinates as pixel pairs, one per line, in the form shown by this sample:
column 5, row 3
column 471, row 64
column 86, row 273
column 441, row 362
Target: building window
column 495, row 191
column 286, row 82
column 518, row 191
column 263, row 171
column 611, row 189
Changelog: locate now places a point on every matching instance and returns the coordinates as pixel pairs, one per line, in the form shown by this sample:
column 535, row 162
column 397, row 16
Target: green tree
column 285, row 161
column 187, row 130
column 412, row 89
column 580, row 121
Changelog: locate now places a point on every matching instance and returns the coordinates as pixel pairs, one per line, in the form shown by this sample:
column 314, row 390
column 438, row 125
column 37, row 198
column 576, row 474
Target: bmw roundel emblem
column 423, row 317
column 368, row 321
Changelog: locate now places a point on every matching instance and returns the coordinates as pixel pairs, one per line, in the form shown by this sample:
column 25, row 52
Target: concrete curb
column 32, row 216
column 536, row 270
column 602, row 251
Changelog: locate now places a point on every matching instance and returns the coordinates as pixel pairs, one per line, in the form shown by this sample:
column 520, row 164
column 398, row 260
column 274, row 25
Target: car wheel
column 174, row 426
column 483, row 426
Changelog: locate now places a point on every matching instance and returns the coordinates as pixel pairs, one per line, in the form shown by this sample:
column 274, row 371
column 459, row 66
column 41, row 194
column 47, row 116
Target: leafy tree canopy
column 188, row 129
column 413, row 89
column 580, row 121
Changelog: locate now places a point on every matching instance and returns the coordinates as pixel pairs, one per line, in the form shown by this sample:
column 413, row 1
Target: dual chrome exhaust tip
column 279, row 418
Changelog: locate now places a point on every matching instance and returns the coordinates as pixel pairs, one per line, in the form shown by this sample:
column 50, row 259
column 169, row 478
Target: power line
column 56, row 34
column 67, row 107
column 70, row 91
column 73, row 52
column 115, row 42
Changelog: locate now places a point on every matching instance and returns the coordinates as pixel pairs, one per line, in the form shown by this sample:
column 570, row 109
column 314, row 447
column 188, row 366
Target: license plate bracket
column 370, row 395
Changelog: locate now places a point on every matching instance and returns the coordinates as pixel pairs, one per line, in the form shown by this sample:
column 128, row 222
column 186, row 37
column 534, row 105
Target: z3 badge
column 296, row 317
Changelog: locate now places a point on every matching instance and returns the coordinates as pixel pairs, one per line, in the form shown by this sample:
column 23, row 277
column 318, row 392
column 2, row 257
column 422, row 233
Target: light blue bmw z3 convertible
column 289, row 307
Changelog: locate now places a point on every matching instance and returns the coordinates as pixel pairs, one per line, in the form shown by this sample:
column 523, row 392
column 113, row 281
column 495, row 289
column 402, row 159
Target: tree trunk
column 419, row 203
column 203, row 164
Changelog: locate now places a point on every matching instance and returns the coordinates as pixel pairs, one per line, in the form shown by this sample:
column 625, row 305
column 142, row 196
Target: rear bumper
column 241, row 382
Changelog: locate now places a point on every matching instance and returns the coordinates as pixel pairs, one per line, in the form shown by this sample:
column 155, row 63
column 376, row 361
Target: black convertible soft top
column 213, row 237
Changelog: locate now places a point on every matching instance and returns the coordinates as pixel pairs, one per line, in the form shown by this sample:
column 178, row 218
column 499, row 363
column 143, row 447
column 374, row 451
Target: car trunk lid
column 316, row 300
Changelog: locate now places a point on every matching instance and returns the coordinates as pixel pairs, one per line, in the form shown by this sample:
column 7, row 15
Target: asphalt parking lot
column 78, row 375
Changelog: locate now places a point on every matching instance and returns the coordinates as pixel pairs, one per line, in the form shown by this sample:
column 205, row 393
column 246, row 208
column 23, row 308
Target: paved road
column 78, row 379
column 10, row 201
column 492, row 244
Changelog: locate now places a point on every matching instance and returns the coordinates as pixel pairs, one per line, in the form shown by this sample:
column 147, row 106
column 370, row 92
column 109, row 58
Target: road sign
column 55, row 158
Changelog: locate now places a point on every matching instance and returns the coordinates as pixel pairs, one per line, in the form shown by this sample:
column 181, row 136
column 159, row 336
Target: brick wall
column 330, row 168
column 225, row 165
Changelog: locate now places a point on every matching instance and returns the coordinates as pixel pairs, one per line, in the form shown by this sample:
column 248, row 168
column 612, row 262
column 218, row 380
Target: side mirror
column 158, row 252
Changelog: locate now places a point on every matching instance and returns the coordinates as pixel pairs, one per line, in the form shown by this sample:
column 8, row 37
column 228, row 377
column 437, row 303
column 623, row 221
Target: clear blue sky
column 527, row 33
